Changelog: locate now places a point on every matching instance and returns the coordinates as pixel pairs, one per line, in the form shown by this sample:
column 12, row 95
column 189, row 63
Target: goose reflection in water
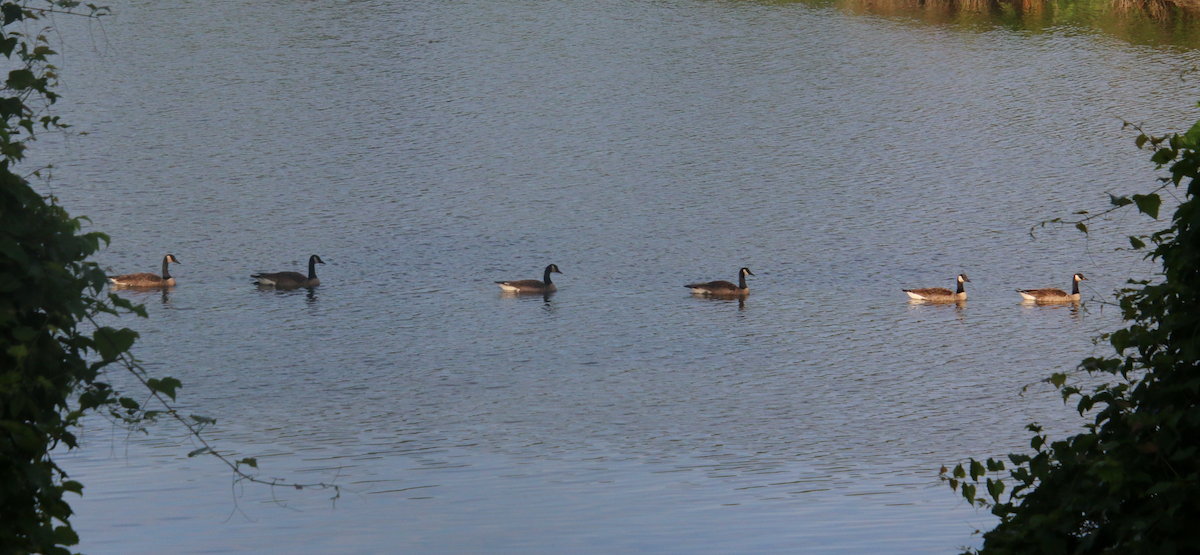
column 1075, row 308
column 915, row 303
column 142, row 296
column 722, row 299
column 960, row 306
column 545, row 296
column 310, row 294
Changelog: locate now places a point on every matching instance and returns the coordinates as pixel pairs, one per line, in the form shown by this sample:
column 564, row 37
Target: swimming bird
column 532, row 285
column 940, row 294
column 146, row 279
column 1051, row 295
column 723, row 288
column 292, row 279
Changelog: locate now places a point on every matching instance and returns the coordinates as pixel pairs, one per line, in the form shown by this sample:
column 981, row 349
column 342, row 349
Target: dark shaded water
column 426, row 149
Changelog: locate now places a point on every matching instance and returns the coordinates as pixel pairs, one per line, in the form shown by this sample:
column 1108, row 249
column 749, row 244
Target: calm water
column 426, row 149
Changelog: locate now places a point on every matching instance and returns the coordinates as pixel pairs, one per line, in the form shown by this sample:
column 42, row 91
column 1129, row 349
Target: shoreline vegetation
column 1160, row 10
column 1141, row 22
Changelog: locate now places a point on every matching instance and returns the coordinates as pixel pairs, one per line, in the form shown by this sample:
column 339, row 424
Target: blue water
column 427, row 149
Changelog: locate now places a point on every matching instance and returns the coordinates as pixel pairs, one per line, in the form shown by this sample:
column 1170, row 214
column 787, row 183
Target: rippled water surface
column 427, row 148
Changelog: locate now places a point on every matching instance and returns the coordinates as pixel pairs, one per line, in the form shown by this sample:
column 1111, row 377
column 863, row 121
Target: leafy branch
column 50, row 368
column 113, row 345
column 1165, row 148
column 1128, row 483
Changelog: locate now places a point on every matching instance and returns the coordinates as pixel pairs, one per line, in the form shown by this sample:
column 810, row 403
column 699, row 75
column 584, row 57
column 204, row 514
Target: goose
column 940, row 294
column 532, row 285
column 1051, row 295
column 292, row 279
column 723, row 288
column 146, row 279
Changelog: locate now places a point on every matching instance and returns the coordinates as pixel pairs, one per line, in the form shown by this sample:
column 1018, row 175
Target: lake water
column 428, row 148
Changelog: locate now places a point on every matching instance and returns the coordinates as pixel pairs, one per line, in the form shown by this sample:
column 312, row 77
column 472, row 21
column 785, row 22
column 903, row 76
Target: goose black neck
column 166, row 274
column 312, row 268
column 741, row 280
column 1074, row 287
column 960, row 287
column 546, row 277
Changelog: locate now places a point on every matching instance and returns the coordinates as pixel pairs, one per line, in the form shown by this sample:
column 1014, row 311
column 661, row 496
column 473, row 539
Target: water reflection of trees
column 1156, row 9
column 1149, row 22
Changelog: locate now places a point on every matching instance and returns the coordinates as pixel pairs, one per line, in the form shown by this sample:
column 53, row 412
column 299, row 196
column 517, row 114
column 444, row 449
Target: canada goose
column 532, row 285
column 146, row 279
column 940, row 294
column 1051, row 295
column 723, row 288
column 292, row 279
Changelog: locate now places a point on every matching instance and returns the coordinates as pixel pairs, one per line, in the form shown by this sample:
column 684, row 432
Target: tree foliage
column 51, row 359
column 1130, row 483
column 54, row 356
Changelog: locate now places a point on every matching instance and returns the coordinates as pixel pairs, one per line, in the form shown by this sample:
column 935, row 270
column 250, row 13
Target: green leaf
column 21, row 79
column 1148, row 204
column 1081, row 227
column 12, row 12
column 977, row 470
column 24, row 334
column 110, row 343
column 995, row 488
column 1119, row 201
column 1162, row 156
column 166, row 386
column 129, row 403
column 1120, row 340
column 1141, row 140
column 126, row 304
column 1136, row 243
column 94, row 399
column 199, row 451
column 24, row 436
column 249, row 461
column 18, row 352
column 1192, row 137
column 64, row 535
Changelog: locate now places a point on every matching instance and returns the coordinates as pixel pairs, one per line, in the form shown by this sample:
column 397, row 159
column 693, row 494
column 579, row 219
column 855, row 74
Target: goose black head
column 746, row 271
column 1079, row 277
column 171, row 258
column 553, row 268
column 316, row 259
column 963, row 277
